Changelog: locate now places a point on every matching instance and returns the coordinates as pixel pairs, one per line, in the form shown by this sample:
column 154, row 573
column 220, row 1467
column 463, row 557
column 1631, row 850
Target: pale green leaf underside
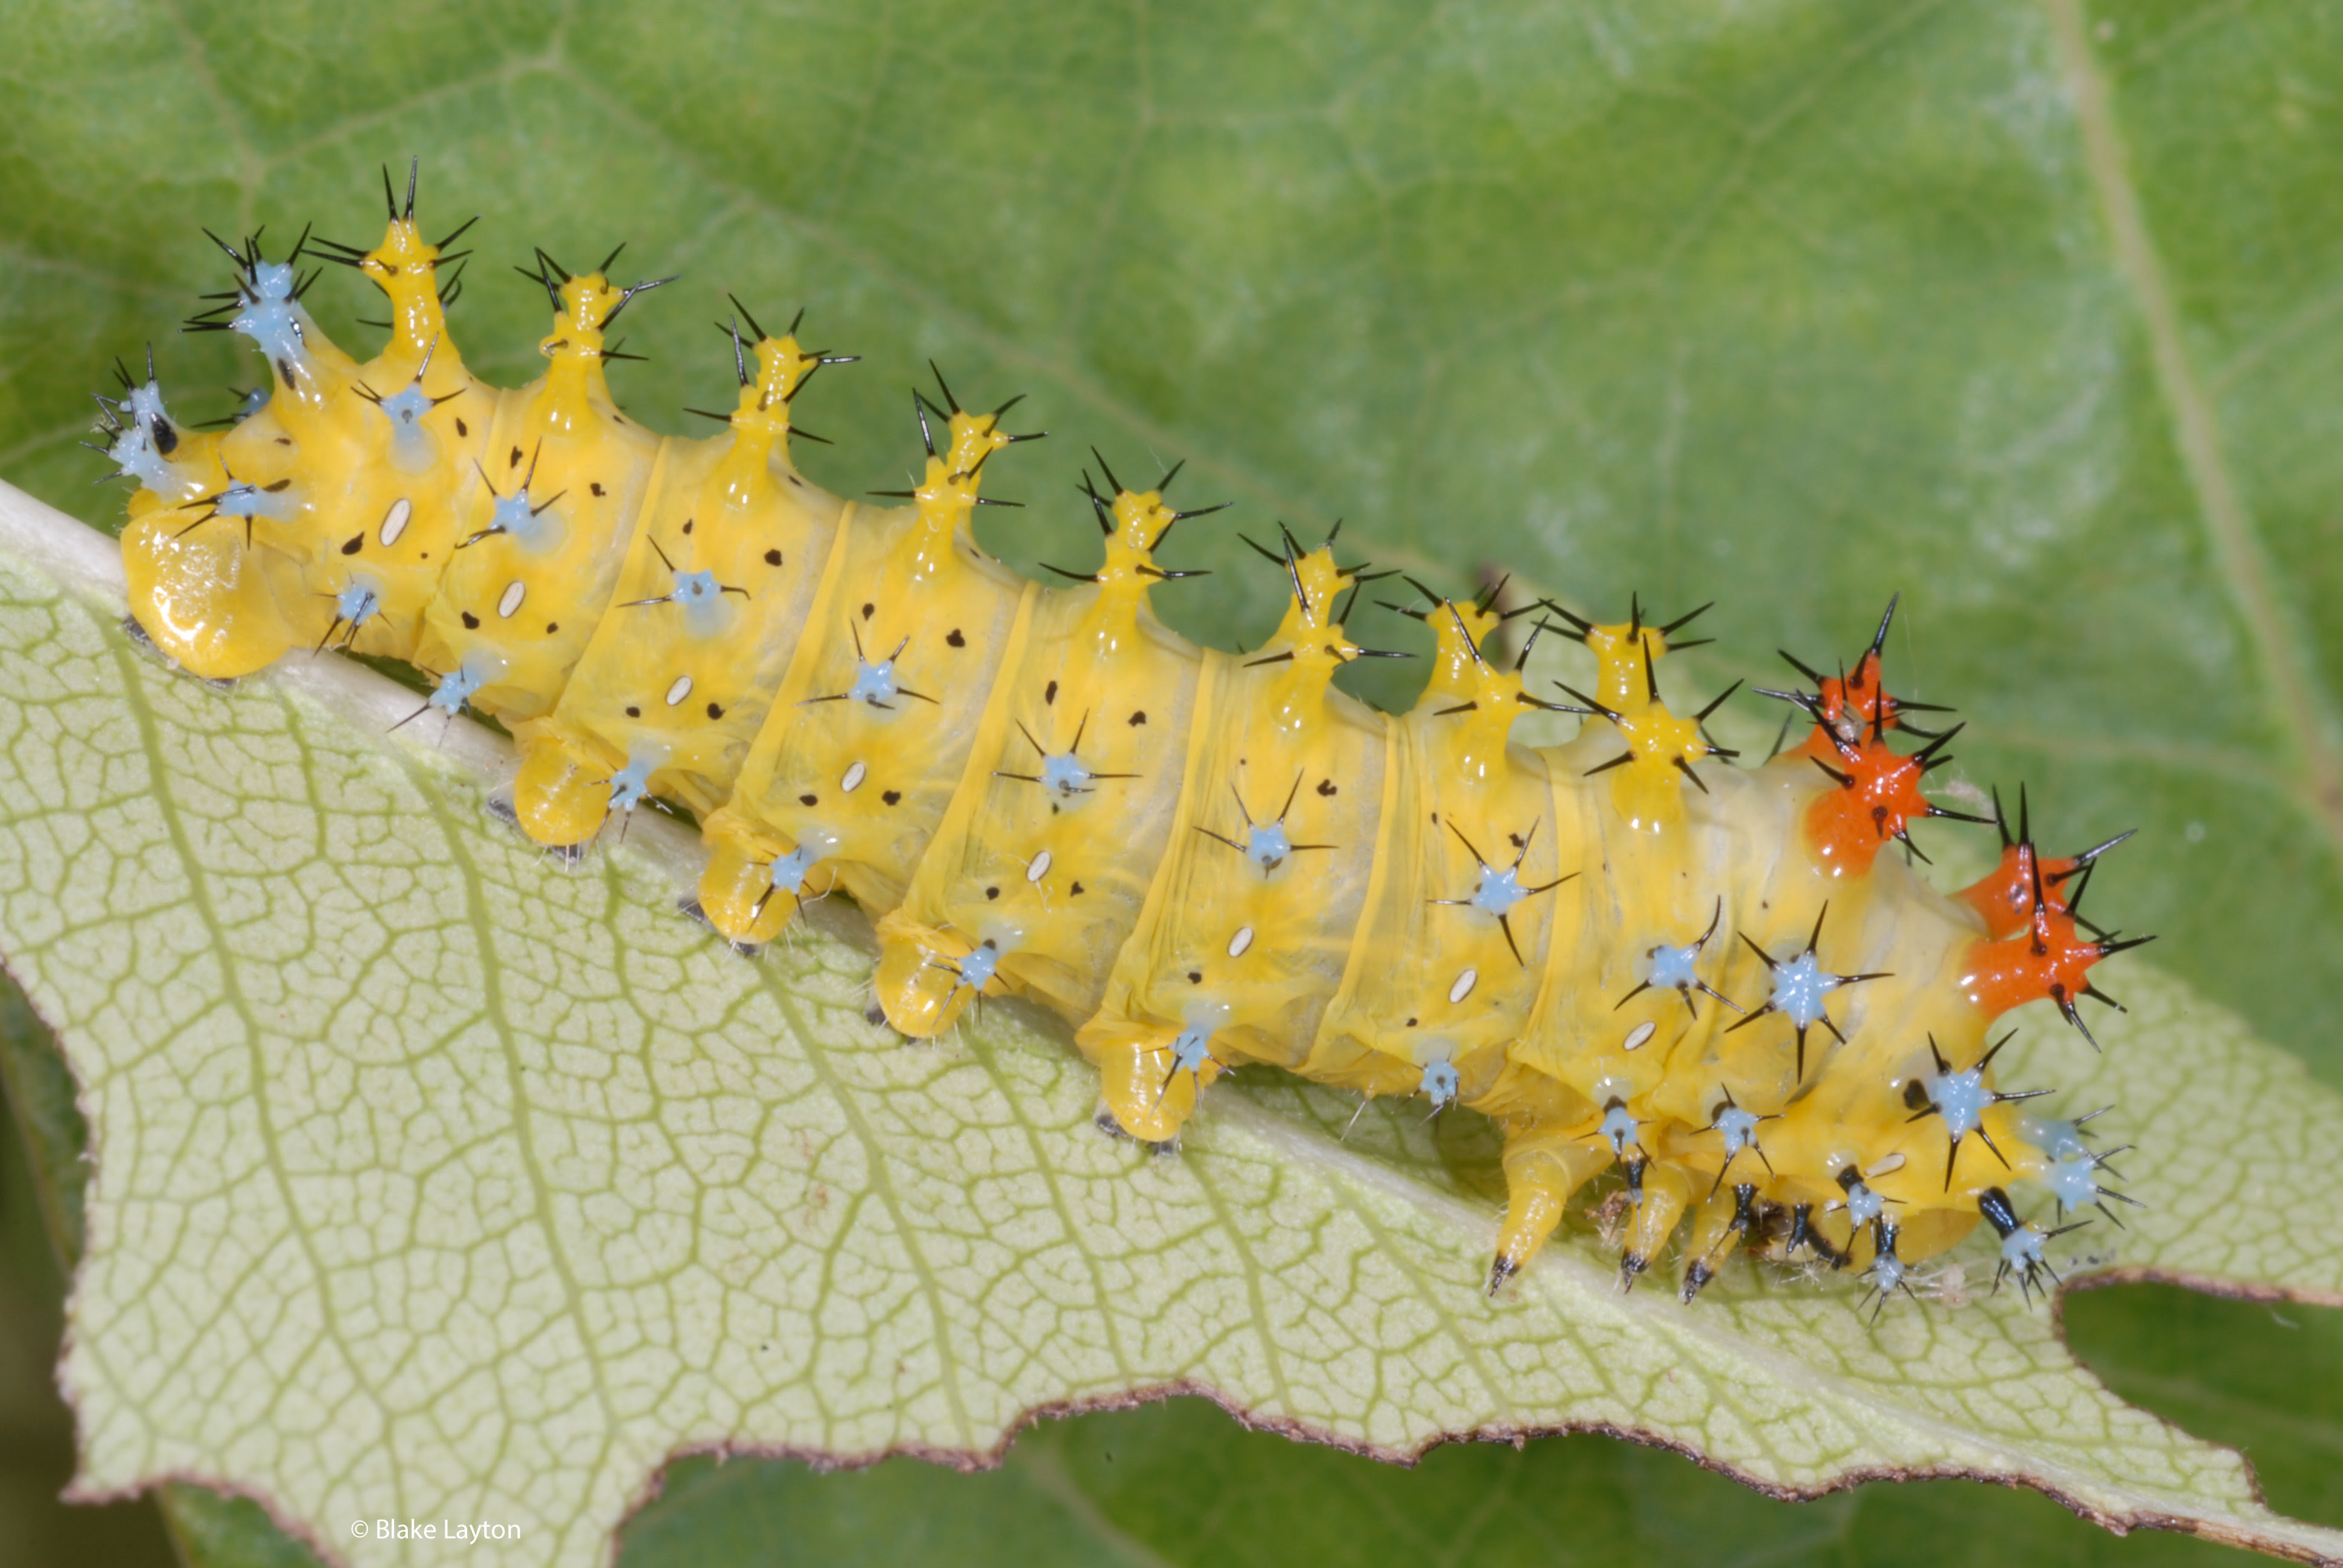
column 435, row 1181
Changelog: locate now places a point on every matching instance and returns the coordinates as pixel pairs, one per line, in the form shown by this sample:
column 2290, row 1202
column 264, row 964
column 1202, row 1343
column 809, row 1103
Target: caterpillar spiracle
column 1625, row 950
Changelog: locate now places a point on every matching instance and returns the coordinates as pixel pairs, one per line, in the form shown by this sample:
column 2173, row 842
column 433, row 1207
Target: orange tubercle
column 1851, row 705
column 2052, row 962
column 1877, row 797
column 2004, row 896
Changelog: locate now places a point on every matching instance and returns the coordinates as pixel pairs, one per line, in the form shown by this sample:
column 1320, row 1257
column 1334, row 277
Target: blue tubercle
column 358, row 604
column 790, row 870
column 702, row 598
column 1440, row 1084
column 1191, row 1049
column 1267, row 845
column 273, row 318
column 1863, row 1205
column 874, row 683
column 2059, row 1139
column 139, row 452
column 1800, row 984
column 1619, row 1130
column 2022, row 1244
column 142, row 448
column 2021, row 1250
column 143, row 405
column 978, row 966
column 1739, row 1128
column 461, row 685
column 1065, row 776
column 1500, row 889
column 2073, row 1182
column 1677, row 968
column 413, row 447
column 629, row 784
column 1960, row 1097
column 535, row 528
column 1886, row 1271
column 243, row 500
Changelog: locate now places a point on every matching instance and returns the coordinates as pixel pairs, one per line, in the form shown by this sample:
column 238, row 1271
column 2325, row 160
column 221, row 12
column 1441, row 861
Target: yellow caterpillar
column 1625, row 951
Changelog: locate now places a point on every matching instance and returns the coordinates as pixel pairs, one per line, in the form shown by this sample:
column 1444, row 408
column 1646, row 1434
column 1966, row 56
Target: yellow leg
column 735, row 891
column 1150, row 1095
column 1717, row 1227
column 1545, row 1164
column 203, row 597
column 924, row 978
column 1666, row 1187
column 563, row 790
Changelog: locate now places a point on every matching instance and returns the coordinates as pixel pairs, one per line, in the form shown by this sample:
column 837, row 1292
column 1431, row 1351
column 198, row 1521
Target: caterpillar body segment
column 678, row 675
column 1248, row 930
column 1038, row 872
column 875, row 716
column 1469, row 851
column 413, row 438
column 546, row 527
column 1700, row 990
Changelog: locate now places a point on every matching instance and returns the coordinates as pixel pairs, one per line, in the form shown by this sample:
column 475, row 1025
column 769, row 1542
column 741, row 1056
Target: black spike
column 1801, row 666
column 1879, row 640
column 1687, row 618
column 1702, row 716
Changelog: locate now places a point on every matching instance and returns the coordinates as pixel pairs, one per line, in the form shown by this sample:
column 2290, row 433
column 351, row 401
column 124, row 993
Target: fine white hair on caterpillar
column 1629, row 952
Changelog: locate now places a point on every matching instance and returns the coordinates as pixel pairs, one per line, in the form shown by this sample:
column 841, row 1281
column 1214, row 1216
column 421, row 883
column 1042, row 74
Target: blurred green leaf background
column 2033, row 311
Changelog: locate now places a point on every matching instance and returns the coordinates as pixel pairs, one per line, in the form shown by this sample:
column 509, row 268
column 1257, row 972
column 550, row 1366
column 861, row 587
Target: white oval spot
column 1639, row 1034
column 680, row 690
column 515, row 591
column 394, row 521
column 1464, row 984
column 1242, row 940
column 1040, row 868
column 854, row 775
column 1886, row 1167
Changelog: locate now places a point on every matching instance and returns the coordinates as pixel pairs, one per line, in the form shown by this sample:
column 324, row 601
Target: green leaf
column 437, row 1185
column 2027, row 311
